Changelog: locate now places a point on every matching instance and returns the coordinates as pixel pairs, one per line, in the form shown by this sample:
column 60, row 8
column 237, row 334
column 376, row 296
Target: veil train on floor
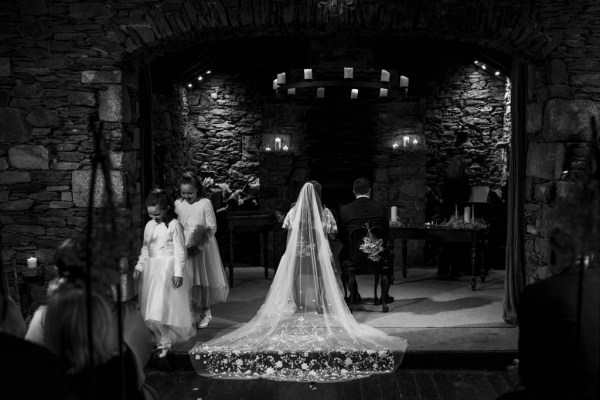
column 304, row 330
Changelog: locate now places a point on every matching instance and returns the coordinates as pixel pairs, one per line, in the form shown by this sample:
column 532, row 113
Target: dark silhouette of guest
column 96, row 374
column 559, row 344
column 456, row 188
column 555, row 358
column 454, row 258
column 71, row 266
column 28, row 370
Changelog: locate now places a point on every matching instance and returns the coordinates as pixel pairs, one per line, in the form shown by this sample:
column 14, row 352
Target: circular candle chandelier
column 337, row 7
column 318, row 88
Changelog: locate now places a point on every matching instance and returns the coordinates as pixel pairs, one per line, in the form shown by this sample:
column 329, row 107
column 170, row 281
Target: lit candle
column 308, row 73
column 291, row 91
column 354, row 94
column 403, row 81
column 281, row 78
column 467, row 215
column 348, row 73
column 285, row 148
column 405, row 141
column 320, row 93
column 277, row 143
column 275, row 85
column 32, row 262
column 385, row 76
column 394, row 214
column 383, row 92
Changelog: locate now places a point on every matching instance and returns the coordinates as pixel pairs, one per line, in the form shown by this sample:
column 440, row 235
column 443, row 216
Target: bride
column 303, row 331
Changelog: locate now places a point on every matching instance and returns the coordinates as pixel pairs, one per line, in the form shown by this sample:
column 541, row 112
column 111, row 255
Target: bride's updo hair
column 317, row 187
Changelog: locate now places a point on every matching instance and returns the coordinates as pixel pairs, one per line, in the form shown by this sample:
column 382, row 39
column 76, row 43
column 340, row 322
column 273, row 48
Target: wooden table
column 477, row 238
column 261, row 223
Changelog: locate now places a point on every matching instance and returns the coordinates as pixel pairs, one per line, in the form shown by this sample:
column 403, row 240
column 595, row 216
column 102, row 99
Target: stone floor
column 443, row 321
column 404, row 384
column 459, row 346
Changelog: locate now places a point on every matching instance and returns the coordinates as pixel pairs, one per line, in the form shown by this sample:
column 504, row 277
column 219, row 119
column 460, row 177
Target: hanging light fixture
column 335, row 8
column 381, row 87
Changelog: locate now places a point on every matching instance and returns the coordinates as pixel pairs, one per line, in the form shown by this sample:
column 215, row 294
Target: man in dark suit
column 356, row 214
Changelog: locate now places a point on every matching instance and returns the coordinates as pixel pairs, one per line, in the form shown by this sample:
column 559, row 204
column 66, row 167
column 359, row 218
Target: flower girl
column 165, row 280
column 197, row 216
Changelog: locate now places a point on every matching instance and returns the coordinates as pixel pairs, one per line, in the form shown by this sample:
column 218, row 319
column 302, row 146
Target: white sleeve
column 177, row 210
column 329, row 223
column 179, row 249
column 287, row 222
column 35, row 333
column 210, row 218
column 144, row 253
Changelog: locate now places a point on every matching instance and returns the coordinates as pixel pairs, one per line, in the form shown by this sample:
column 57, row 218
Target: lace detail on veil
column 304, row 330
column 305, row 249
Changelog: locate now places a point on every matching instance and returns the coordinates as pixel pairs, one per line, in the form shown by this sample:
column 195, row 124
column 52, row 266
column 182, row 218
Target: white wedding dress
column 303, row 331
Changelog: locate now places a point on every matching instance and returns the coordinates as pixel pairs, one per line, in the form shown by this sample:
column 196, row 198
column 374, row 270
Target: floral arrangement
column 279, row 216
column 371, row 245
column 456, row 222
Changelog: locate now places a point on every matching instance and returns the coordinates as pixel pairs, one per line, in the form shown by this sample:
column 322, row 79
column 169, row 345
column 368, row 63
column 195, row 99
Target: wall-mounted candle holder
column 408, row 141
column 277, row 143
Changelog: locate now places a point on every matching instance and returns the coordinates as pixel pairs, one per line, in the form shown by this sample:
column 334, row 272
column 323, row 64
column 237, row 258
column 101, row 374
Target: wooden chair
column 358, row 263
column 10, row 275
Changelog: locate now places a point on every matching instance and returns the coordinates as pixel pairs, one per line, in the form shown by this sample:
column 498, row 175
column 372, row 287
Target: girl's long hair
column 65, row 332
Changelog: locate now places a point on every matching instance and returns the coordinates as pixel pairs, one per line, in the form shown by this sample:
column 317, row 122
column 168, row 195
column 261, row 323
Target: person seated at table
column 454, row 258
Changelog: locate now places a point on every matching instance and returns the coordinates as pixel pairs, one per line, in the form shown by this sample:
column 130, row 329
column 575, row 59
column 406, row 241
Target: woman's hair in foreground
column 159, row 197
column 70, row 260
column 66, row 328
column 189, row 178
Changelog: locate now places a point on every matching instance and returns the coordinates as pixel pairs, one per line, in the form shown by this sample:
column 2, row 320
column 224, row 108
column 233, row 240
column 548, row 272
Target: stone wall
column 64, row 61
column 466, row 113
column 172, row 148
column 224, row 128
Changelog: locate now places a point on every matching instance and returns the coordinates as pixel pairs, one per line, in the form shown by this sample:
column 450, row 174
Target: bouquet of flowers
column 371, row 245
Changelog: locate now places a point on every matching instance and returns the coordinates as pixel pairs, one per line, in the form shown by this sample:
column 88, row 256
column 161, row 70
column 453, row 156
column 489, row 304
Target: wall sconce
column 277, row 143
column 408, row 141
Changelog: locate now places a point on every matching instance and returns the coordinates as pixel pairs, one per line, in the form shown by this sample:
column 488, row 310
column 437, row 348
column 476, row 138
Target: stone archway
column 78, row 59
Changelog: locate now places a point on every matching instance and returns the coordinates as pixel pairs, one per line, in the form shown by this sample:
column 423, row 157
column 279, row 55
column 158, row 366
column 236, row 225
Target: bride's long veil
column 303, row 330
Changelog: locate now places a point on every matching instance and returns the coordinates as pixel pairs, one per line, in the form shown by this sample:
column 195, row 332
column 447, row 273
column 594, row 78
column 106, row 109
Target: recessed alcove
column 218, row 124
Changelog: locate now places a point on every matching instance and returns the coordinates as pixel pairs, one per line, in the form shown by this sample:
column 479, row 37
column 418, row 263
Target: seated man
column 357, row 213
